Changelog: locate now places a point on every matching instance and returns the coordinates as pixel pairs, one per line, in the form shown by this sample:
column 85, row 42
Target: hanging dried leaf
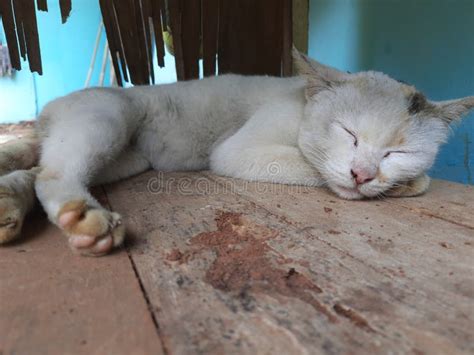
column 42, row 5
column 246, row 36
column 8, row 21
column 65, row 6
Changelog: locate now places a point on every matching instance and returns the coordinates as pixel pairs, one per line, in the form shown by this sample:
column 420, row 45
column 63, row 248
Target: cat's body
column 362, row 135
column 176, row 126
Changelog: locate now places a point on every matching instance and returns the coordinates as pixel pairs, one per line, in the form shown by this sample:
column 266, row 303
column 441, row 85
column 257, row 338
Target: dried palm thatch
column 240, row 36
column 21, row 31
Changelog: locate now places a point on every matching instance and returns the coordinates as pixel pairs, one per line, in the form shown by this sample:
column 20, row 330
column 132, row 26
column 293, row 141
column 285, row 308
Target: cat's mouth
column 347, row 193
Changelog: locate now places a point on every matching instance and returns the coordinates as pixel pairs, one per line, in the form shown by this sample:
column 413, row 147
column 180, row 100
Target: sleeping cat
column 362, row 135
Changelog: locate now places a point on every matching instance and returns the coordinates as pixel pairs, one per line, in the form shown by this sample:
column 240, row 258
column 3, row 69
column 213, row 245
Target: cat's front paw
column 11, row 216
column 91, row 231
column 411, row 188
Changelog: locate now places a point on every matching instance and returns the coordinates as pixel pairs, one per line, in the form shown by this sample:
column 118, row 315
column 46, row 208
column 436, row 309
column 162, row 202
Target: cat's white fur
column 362, row 135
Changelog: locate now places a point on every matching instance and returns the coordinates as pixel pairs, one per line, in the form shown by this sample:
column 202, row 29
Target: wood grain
column 191, row 37
column 251, row 36
column 53, row 302
column 389, row 277
column 444, row 200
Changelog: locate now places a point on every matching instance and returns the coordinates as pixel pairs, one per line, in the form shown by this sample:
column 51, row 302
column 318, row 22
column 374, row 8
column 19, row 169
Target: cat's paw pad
column 11, row 216
column 91, row 231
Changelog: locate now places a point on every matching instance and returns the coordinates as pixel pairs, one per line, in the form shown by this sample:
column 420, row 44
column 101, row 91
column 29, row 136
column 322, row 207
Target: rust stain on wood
column 242, row 263
column 368, row 279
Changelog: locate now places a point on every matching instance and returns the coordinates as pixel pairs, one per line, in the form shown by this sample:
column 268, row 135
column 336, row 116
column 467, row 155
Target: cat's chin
column 346, row 193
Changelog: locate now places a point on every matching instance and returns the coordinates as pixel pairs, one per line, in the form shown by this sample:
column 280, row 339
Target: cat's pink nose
column 362, row 176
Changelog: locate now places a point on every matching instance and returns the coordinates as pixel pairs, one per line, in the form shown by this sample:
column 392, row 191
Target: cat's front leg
column 268, row 163
column 410, row 188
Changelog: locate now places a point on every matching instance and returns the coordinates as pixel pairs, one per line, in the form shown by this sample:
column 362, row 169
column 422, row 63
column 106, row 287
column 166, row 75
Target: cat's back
column 215, row 93
column 187, row 118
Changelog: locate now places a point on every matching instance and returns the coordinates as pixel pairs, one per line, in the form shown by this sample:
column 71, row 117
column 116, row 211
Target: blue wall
column 428, row 43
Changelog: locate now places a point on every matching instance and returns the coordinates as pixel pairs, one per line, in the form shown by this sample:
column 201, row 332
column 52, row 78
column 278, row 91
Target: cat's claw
column 91, row 231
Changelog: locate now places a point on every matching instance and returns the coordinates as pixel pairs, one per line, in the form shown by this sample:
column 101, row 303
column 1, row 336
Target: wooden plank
column 157, row 7
column 140, row 44
column 270, row 47
column 239, row 37
column 164, row 19
column 191, row 37
column 132, row 41
column 210, row 28
column 301, row 24
column 287, row 62
column 146, row 17
column 444, row 200
column 250, row 37
column 218, row 297
column 389, row 238
column 176, row 25
column 54, row 302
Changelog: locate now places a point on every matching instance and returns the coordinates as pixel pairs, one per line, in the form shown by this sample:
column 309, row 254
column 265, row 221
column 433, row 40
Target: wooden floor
column 220, row 266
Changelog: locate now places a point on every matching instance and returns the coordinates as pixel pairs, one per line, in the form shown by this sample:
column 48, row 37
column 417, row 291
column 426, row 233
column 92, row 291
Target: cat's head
column 366, row 132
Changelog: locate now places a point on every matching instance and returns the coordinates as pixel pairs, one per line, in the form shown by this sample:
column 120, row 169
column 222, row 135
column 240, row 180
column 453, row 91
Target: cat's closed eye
column 356, row 142
column 394, row 152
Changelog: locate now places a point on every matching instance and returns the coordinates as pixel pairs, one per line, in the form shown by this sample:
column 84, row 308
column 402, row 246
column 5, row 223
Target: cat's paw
column 411, row 188
column 91, row 231
column 11, row 216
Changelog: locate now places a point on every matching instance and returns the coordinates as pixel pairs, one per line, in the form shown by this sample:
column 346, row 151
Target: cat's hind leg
column 74, row 157
column 19, row 154
column 17, row 198
column 17, row 176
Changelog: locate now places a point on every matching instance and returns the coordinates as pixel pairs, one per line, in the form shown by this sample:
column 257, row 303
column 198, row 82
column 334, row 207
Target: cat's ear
column 319, row 76
column 454, row 110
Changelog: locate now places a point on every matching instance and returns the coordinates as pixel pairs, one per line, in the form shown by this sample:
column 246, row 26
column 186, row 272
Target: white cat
column 362, row 135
